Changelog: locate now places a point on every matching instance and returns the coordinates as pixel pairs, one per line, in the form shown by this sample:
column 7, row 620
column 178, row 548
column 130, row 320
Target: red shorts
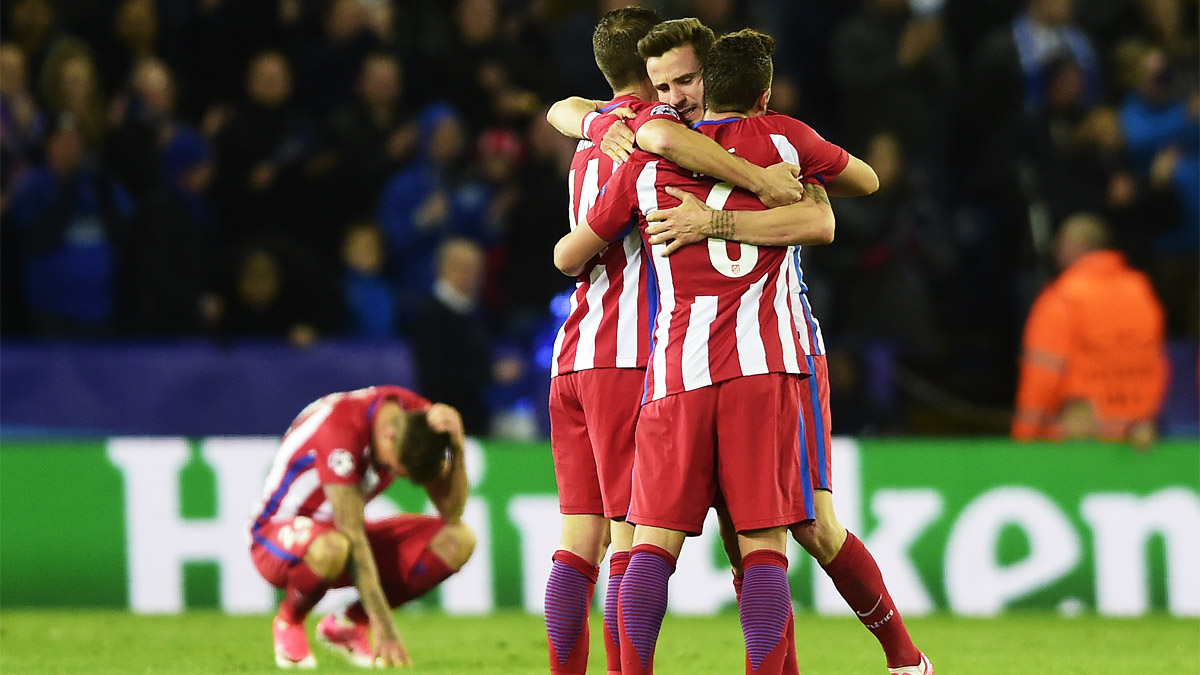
column 739, row 438
column 814, row 412
column 396, row 542
column 593, row 417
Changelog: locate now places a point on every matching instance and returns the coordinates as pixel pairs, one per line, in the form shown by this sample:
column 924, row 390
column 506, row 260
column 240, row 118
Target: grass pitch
column 88, row 641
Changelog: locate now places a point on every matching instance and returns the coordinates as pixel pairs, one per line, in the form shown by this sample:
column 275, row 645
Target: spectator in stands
column 375, row 134
column 416, row 209
column 892, row 69
column 893, row 250
column 70, row 219
column 452, row 342
column 261, row 156
column 1094, row 360
column 1006, row 82
column 370, row 299
column 327, row 66
column 144, row 122
column 23, row 125
column 33, row 26
column 71, row 86
column 1160, row 119
column 278, row 290
column 175, row 243
column 134, row 37
column 541, row 209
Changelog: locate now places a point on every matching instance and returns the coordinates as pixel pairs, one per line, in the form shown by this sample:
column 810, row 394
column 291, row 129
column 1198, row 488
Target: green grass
column 88, row 641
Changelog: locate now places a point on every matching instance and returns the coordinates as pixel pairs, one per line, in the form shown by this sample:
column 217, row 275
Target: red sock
column 305, row 589
column 790, row 665
column 617, row 563
column 568, row 600
column 857, row 577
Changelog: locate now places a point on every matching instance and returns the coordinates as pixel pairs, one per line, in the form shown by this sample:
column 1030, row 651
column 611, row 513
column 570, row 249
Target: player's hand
column 677, row 227
column 443, row 418
column 618, row 140
column 781, row 185
column 390, row 651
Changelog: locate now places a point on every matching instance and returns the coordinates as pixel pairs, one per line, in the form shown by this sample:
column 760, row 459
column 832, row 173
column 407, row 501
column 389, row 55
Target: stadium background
column 196, row 195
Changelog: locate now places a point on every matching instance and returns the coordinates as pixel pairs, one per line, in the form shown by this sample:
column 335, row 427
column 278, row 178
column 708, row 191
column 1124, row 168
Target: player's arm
column 448, row 492
column 348, row 505
column 567, row 115
column 1042, row 370
column 576, row 248
column 856, row 180
column 775, row 186
column 805, row 223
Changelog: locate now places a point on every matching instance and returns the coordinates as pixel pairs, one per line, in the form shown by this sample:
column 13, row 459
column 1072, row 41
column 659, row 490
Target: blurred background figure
column 1093, row 362
column 70, row 221
column 370, row 300
column 274, row 290
column 453, row 345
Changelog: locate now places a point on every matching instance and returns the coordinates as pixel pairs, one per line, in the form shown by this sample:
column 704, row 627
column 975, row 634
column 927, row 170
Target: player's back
column 724, row 308
column 609, row 306
column 327, row 442
column 768, row 139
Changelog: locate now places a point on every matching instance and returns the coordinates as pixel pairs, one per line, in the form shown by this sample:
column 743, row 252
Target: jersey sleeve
column 610, row 216
column 818, row 157
column 653, row 111
column 408, row 399
column 338, row 460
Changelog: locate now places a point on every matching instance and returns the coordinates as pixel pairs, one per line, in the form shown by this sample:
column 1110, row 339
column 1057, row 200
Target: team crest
column 341, row 462
column 664, row 110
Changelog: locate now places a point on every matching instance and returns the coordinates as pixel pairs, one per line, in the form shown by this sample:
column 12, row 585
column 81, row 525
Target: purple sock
column 643, row 603
column 618, row 563
column 766, row 604
column 568, row 594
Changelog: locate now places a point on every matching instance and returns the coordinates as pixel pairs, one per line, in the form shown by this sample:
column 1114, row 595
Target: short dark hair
column 422, row 450
column 738, row 71
column 615, row 42
column 676, row 33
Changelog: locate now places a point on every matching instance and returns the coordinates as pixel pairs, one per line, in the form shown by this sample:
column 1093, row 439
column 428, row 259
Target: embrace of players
column 310, row 533
column 690, row 372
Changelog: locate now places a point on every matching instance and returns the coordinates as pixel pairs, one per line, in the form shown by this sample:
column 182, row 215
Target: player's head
column 615, row 42
column 675, row 52
column 737, row 76
column 421, row 450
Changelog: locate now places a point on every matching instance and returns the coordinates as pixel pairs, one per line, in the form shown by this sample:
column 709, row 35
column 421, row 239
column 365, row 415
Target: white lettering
column 159, row 541
column 902, row 516
column 1122, row 524
column 975, row 584
column 538, row 521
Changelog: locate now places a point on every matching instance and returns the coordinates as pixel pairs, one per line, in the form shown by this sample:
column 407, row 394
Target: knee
column 454, row 544
column 820, row 540
column 327, row 555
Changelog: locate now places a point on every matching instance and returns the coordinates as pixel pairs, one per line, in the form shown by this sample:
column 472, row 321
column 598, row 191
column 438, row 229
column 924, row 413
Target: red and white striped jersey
column 328, row 443
column 608, row 325
column 767, row 140
column 724, row 309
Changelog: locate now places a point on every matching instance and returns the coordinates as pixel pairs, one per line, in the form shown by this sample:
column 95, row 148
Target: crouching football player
column 310, row 533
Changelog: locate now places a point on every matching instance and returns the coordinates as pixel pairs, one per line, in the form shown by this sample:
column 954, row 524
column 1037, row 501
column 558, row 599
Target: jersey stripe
column 696, row 372
column 589, row 326
column 752, row 354
column 628, row 320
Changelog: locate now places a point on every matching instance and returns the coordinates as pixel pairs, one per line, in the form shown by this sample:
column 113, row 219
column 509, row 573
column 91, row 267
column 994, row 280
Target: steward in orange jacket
column 1094, row 360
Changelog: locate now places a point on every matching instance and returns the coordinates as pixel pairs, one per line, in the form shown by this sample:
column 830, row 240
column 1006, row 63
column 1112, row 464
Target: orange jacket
column 1095, row 334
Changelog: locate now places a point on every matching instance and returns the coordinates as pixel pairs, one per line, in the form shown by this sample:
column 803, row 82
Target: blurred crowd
column 381, row 169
